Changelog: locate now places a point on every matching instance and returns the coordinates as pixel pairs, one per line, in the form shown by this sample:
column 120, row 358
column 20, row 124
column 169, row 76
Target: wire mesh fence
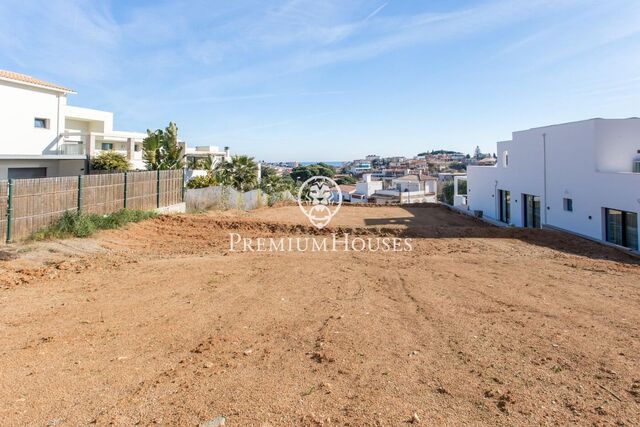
column 222, row 198
column 28, row 205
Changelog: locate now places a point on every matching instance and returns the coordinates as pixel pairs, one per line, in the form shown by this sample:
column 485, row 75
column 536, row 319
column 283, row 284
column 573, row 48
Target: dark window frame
column 567, row 204
column 504, row 206
column 46, row 124
column 532, row 218
column 624, row 232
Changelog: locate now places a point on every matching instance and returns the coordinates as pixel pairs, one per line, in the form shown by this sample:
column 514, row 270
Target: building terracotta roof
column 23, row 78
column 346, row 188
column 487, row 160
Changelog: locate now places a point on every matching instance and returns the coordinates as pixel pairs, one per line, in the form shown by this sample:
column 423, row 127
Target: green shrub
column 110, row 161
column 202, row 181
column 74, row 224
column 448, row 191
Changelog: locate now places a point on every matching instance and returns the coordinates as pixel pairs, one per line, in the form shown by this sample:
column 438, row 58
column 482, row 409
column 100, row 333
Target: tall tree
column 346, row 180
column 303, row 173
column 161, row 150
column 477, row 154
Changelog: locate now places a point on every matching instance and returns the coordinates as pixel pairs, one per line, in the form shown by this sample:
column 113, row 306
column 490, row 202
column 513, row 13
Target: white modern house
column 412, row 188
column 211, row 153
column 582, row 177
column 365, row 189
column 43, row 136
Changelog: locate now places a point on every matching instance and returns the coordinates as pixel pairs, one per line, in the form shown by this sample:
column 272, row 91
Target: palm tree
column 240, row 173
column 273, row 184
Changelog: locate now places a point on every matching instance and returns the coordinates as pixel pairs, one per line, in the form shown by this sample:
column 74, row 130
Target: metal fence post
column 9, row 209
column 158, row 190
column 125, row 191
column 183, row 185
column 79, row 193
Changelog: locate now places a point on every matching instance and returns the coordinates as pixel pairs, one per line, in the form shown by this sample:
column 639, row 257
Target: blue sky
column 334, row 79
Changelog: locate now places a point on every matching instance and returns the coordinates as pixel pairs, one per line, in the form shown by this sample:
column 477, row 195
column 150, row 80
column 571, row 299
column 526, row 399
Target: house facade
column 582, row 177
column 346, row 191
column 365, row 189
column 43, row 136
column 412, row 188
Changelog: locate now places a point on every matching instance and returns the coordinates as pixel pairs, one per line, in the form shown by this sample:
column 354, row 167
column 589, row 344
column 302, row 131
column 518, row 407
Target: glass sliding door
column 621, row 228
column 504, row 206
column 631, row 230
column 531, row 211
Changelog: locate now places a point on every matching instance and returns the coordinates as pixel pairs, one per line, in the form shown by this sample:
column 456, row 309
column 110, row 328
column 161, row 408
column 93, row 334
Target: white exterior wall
column 368, row 187
column 73, row 133
column 589, row 162
column 96, row 127
column 92, row 120
column 406, row 185
column 19, row 106
column 409, row 196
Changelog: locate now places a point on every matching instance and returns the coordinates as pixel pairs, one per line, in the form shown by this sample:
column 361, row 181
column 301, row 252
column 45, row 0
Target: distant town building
column 365, row 188
column 361, row 167
column 414, row 188
column 487, row 161
column 346, row 191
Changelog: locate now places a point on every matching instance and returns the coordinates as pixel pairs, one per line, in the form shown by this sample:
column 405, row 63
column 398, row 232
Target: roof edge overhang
column 60, row 89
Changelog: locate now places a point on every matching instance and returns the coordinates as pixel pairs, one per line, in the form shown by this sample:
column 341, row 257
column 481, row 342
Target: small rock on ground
column 215, row 422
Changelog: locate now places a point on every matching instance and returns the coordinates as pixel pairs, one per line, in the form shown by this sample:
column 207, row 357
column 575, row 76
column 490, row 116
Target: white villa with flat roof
column 413, row 188
column 43, row 136
column 582, row 177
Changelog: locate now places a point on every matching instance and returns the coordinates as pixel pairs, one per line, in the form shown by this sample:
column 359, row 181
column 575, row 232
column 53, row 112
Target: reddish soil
column 161, row 323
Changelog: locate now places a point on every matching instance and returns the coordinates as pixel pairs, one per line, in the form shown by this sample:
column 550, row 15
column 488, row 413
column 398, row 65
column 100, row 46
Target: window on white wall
column 40, row 123
column 505, row 158
column 567, row 204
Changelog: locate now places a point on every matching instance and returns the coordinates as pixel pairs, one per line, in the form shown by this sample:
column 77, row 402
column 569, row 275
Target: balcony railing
column 72, row 149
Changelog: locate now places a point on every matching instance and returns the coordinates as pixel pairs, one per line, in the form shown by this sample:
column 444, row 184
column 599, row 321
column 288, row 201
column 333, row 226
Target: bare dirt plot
column 160, row 323
column 372, row 216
